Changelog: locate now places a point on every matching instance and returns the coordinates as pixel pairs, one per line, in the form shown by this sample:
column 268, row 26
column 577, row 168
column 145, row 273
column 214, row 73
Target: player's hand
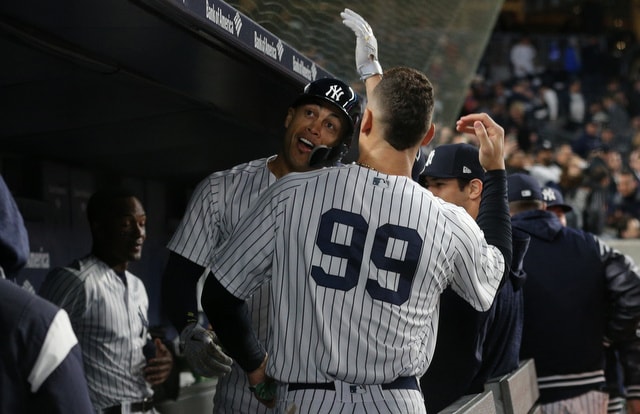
column 367, row 63
column 263, row 387
column 158, row 368
column 203, row 352
column 490, row 135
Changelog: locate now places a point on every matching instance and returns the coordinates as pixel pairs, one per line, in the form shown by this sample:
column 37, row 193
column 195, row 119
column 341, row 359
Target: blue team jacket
column 579, row 294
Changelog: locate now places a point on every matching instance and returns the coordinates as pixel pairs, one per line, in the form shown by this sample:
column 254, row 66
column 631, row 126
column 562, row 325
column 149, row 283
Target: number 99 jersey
column 357, row 261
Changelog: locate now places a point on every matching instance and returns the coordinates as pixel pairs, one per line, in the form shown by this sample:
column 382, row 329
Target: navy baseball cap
column 553, row 197
column 454, row 161
column 418, row 165
column 523, row 187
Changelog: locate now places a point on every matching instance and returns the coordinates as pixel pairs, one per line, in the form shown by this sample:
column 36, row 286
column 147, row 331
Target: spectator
column 627, row 198
column 600, row 190
column 618, row 118
column 588, row 141
column 629, row 227
column 634, row 162
column 108, row 308
column 544, row 168
column 573, row 188
column 518, row 161
column 518, row 125
column 575, row 106
column 522, row 57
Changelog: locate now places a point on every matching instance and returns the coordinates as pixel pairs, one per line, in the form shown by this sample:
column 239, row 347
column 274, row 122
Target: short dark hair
column 100, row 205
column 406, row 100
column 520, row 206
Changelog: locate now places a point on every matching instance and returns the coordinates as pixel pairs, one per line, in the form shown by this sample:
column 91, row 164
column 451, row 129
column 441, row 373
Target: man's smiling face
column 308, row 126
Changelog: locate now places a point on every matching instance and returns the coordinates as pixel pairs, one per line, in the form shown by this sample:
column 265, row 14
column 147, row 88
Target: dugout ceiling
column 174, row 89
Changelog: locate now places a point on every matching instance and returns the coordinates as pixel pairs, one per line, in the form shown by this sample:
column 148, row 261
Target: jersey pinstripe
column 109, row 318
column 357, row 261
column 215, row 207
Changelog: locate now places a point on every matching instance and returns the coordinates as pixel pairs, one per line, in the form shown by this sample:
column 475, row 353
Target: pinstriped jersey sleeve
column 216, row 206
column 199, row 230
column 477, row 266
column 243, row 263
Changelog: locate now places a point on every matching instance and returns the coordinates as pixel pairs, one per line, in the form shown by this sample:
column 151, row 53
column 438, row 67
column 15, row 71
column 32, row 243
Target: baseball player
column 108, row 305
column 581, row 293
column 357, row 256
column 319, row 126
column 472, row 346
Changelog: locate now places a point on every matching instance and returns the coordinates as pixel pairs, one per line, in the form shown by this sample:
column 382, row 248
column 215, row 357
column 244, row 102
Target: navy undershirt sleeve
column 231, row 321
column 493, row 216
column 179, row 290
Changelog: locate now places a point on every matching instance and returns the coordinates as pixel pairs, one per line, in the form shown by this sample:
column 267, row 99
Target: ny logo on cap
column 430, row 157
column 548, row 194
column 335, row 91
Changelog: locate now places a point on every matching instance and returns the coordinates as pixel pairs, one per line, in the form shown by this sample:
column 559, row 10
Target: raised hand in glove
column 367, row 63
column 203, row 352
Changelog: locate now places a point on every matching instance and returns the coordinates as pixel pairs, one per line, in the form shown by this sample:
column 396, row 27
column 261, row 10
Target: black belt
column 136, row 407
column 408, row 383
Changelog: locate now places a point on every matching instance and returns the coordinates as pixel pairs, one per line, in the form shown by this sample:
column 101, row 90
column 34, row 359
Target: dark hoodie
column 473, row 346
column 14, row 242
column 579, row 291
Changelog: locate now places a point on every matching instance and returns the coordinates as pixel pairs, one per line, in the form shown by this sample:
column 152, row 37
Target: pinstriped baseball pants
column 593, row 402
column 350, row 399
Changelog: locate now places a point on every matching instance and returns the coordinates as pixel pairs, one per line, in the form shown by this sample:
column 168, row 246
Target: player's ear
column 429, row 136
column 289, row 117
column 367, row 121
column 475, row 188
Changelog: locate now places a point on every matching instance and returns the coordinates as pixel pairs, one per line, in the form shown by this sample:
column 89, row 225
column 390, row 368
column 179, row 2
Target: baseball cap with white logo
column 523, row 187
column 553, row 197
column 454, row 161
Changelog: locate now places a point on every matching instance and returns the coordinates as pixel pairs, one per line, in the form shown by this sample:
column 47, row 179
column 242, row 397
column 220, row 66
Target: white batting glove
column 367, row 63
column 203, row 352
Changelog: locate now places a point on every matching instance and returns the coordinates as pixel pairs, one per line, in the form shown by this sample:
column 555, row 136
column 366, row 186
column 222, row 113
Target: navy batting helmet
column 341, row 96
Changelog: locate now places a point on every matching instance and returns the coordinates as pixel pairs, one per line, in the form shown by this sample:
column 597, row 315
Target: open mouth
column 305, row 144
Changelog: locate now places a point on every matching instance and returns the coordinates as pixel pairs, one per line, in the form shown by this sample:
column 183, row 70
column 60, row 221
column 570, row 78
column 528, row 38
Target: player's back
column 370, row 254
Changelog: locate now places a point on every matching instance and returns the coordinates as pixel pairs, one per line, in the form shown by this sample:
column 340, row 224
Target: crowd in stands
column 572, row 122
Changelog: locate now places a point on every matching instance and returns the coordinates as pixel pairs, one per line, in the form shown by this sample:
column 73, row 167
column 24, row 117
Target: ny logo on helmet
column 335, row 91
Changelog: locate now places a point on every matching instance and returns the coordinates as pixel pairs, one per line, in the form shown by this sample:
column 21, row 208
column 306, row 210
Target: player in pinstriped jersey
column 357, row 256
column 108, row 305
column 319, row 126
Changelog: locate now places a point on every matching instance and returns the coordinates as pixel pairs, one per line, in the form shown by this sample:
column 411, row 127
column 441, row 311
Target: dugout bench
column 514, row 393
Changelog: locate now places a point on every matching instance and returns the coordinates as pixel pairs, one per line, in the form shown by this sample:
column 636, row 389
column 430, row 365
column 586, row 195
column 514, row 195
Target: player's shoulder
column 251, row 167
column 79, row 271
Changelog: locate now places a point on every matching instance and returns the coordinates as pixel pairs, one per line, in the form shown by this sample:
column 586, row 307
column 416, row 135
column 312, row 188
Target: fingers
column 355, row 22
column 466, row 123
column 218, row 355
column 158, row 369
column 161, row 349
column 490, row 135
